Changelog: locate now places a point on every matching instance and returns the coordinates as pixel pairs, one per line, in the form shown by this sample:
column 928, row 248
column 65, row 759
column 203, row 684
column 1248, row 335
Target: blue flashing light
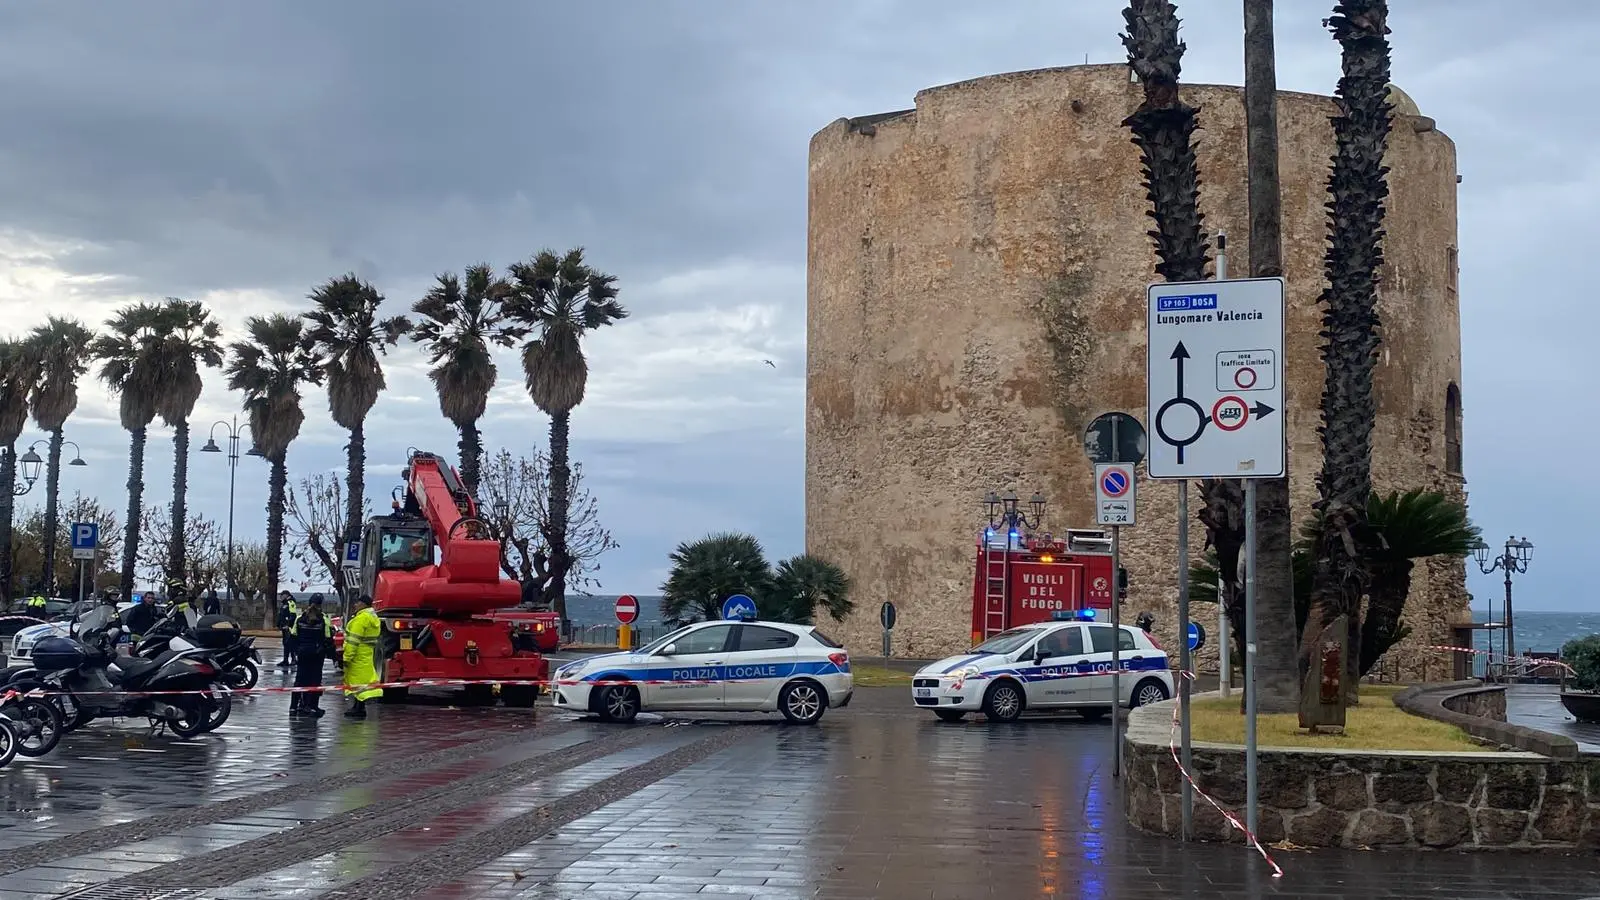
column 1073, row 615
column 988, row 534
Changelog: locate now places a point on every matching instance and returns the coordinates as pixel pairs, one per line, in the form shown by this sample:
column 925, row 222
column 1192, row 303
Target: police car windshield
column 1007, row 641
column 662, row 641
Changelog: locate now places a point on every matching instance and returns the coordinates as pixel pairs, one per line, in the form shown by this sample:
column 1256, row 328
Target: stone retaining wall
column 1342, row 798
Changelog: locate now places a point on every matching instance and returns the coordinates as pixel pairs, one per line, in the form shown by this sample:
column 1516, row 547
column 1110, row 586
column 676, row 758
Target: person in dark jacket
column 144, row 614
column 313, row 642
column 213, row 605
column 287, row 613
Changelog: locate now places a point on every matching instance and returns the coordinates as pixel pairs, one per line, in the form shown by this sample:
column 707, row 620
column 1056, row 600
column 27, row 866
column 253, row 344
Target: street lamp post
column 1515, row 559
column 1005, row 512
column 30, row 460
column 235, row 431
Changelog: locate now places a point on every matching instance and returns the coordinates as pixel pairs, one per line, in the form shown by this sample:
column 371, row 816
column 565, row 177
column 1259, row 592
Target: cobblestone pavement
column 1539, row 706
column 431, row 801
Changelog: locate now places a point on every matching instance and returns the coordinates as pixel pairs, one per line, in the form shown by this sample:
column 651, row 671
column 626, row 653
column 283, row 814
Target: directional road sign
column 352, row 554
column 85, row 539
column 738, row 607
column 627, row 609
column 1214, row 372
column 887, row 615
column 1115, row 437
column 1113, row 494
column 1197, row 636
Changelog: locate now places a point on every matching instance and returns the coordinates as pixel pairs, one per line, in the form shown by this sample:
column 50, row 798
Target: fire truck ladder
column 996, row 572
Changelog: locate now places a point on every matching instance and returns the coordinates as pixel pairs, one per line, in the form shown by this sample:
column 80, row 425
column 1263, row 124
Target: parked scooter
column 35, row 721
column 180, row 689
column 231, row 651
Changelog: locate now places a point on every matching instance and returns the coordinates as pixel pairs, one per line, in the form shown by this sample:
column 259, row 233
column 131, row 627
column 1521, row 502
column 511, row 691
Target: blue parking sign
column 85, row 539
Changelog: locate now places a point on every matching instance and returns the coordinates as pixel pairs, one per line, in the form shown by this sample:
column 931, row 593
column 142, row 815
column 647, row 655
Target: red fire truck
column 1023, row 577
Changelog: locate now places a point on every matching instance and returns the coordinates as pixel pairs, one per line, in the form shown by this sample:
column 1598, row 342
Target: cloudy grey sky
column 240, row 153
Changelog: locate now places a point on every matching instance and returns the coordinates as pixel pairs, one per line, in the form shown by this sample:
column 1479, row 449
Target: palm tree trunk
column 180, row 507
column 1386, row 599
column 52, row 486
column 277, row 491
column 1277, row 676
column 355, row 483
column 130, row 540
column 555, row 592
column 8, row 484
column 1357, row 190
column 471, row 447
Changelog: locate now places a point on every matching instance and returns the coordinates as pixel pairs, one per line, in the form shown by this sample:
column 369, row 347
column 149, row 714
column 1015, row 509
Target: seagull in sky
column 770, row 363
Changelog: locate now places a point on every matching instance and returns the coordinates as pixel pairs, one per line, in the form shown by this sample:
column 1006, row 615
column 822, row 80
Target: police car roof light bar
column 1073, row 615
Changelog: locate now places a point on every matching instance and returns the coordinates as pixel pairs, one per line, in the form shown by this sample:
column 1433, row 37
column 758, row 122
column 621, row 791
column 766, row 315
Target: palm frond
column 269, row 368
column 557, row 300
column 64, row 350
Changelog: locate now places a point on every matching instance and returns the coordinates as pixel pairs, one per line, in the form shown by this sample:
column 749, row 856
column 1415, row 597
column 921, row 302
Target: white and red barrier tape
column 1233, row 820
column 1531, row 662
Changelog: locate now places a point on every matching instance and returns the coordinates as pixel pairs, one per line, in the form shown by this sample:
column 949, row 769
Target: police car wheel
column 802, row 702
column 950, row 715
column 1003, row 702
column 1149, row 691
column 618, row 703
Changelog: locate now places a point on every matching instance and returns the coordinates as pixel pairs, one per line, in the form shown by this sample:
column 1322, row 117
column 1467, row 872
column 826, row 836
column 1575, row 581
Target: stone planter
column 1585, row 707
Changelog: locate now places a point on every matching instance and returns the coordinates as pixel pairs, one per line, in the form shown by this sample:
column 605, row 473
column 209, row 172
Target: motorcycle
column 8, row 742
column 179, row 689
column 232, row 652
column 36, row 723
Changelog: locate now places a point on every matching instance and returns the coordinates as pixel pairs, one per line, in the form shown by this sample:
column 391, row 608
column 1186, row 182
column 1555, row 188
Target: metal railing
column 606, row 635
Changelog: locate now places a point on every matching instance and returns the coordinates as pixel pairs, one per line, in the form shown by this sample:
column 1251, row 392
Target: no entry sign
column 627, row 609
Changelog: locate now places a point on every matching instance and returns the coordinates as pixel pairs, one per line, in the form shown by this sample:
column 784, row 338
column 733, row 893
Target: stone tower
column 976, row 297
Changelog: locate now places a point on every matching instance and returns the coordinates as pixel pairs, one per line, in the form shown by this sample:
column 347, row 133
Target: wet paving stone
column 877, row 802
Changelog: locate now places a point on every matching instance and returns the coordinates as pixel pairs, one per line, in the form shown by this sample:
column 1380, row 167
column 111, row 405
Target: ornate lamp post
column 235, row 431
column 1005, row 512
column 30, row 473
column 30, row 463
column 1516, row 557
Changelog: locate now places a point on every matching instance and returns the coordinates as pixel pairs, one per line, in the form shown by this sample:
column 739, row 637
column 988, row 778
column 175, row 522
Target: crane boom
column 467, row 554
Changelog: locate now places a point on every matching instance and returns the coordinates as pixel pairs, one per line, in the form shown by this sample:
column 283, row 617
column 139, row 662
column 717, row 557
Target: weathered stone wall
column 1353, row 799
column 976, row 296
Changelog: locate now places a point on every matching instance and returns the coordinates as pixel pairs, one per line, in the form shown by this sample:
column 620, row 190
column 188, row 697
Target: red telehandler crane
column 434, row 613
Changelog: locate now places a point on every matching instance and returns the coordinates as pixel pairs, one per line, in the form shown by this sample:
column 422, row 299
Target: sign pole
column 1116, row 651
column 1249, row 653
column 1224, row 639
column 1184, row 660
column 83, row 573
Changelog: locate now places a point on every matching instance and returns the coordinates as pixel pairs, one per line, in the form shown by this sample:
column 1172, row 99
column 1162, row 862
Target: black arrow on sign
column 1180, row 353
column 1260, row 410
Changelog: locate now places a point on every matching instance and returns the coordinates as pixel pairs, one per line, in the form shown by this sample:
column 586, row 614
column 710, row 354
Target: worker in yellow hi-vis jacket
column 360, row 656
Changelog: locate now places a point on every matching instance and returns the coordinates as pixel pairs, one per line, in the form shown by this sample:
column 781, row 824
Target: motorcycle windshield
column 95, row 619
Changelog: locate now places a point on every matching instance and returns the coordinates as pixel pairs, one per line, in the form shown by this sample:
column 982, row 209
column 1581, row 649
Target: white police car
column 747, row 666
column 1057, row 665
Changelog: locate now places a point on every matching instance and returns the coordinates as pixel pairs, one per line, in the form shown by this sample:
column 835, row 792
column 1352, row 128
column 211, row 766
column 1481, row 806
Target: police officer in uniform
column 313, row 635
column 287, row 614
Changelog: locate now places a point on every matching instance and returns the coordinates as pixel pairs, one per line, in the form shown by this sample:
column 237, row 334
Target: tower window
column 1452, row 268
column 1452, row 429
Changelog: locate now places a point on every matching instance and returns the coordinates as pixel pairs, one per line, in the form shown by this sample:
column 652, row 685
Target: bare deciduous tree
column 514, row 494
column 315, row 518
column 204, row 551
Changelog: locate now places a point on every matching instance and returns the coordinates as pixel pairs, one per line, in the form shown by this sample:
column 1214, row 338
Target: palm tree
column 346, row 330
column 190, row 339
column 270, row 368
column 129, row 358
column 559, row 299
column 458, row 323
column 1405, row 527
column 708, row 571
column 1357, row 188
column 805, row 582
column 62, row 347
column 19, row 375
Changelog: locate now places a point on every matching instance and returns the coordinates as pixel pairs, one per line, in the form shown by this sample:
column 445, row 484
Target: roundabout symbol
column 1245, row 378
column 1179, row 354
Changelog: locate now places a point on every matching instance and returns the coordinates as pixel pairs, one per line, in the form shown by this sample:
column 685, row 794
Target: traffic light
column 1122, row 583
